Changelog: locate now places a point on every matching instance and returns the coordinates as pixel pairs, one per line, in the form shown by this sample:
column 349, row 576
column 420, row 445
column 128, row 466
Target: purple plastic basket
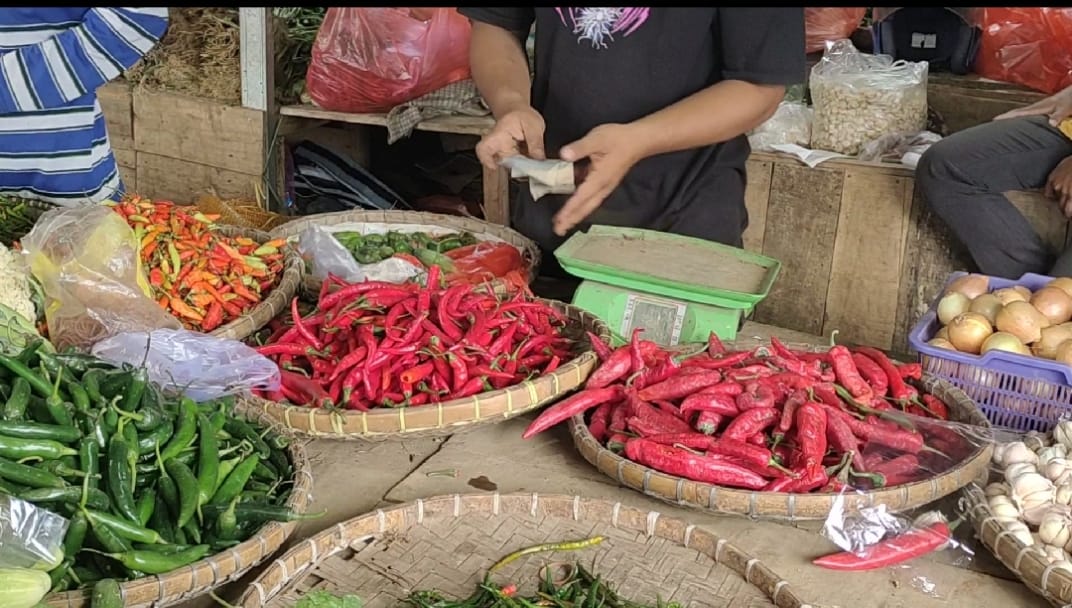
column 1014, row 391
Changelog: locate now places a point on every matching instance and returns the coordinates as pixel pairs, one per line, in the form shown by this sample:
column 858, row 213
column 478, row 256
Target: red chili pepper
column 694, row 441
column 599, row 346
column 911, row 371
column 664, row 420
column 758, row 459
column 840, row 436
column 936, row 407
column 704, row 401
column 311, row 392
column 613, row 369
column 755, row 395
column 669, row 408
column 296, row 350
column 618, row 416
column 749, row 423
column 417, row 373
column 302, row 329
column 872, row 373
column 848, row 376
column 789, row 411
column 898, row 470
column 682, row 463
column 892, row 551
column 727, row 360
column 571, row 406
column 811, row 433
column 707, row 422
column 801, row 368
column 636, row 356
column 899, row 391
column 600, row 419
column 714, row 345
column 782, row 350
column 680, row 386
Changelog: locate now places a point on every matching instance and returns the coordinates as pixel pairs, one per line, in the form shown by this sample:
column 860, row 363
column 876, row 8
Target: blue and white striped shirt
column 53, row 140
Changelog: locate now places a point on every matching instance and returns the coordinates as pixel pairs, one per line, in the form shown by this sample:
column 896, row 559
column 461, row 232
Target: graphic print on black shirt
column 599, row 25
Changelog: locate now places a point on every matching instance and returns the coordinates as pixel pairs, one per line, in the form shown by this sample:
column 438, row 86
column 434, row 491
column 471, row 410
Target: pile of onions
column 1013, row 319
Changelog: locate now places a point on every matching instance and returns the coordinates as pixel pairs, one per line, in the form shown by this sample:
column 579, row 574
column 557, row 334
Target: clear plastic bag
column 86, row 259
column 30, row 537
column 859, row 97
column 905, row 148
column 324, row 255
column 201, row 366
column 791, row 124
column 822, row 25
column 372, row 59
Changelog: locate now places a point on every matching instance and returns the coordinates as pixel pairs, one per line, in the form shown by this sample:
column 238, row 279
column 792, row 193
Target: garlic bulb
column 1062, row 433
column 997, row 488
column 1035, row 441
column 1003, row 508
column 1019, row 469
column 1052, row 554
column 1018, row 452
column 1020, row 532
column 1057, row 470
column 1031, row 490
column 1063, row 493
column 998, row 455
column 1055, row 528
column 1051, row 453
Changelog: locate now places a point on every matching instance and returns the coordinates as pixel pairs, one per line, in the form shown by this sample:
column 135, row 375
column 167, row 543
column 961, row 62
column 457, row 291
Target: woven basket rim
column 202, row 576
column 1053, row 584
column 331, row 424
column 278, row 298
column 297, row 561
column 787, row 506
column 530, row 251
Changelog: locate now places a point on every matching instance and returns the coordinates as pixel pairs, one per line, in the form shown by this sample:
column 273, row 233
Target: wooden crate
column 173, row 146
column 860, row 251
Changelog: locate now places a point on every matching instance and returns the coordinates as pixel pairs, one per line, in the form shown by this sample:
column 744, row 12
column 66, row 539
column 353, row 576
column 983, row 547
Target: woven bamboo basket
column 446, row 543
column 1026, row 562
column 530, row 252
column 278, row 299
column 241, row 213
column 786, row 506
column 203, row 576
column 454, row 416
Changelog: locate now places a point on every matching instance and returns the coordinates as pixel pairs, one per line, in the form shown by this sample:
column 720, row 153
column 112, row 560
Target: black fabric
column 616, row 65
column 938, row 35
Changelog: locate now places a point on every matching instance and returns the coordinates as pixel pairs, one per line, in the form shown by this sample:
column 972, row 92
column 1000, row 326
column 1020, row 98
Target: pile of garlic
column 1033, row 503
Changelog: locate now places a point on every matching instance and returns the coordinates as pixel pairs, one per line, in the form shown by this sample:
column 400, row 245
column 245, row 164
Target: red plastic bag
column 373, row 59
column 1030, row 46
column 822, row 24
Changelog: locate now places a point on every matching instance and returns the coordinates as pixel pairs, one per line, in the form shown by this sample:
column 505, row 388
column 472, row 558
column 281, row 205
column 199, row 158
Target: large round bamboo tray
column 786, row 506
column 278, row 299
column 1026, row 562
column 530, row 252
column 200, row 577
column 447, row 543
column 454, row 416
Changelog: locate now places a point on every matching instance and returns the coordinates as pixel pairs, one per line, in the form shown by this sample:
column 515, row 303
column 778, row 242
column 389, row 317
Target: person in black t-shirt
column 652, row 103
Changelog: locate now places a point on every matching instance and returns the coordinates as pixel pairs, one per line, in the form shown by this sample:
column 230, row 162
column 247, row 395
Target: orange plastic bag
column 1030, row 46
column 822, row 24
column 373, row 59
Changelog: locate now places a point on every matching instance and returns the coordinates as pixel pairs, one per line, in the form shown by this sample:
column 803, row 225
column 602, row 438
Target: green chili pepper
column 56, row 406
column 37, row 383
column 20, row 449
column 155, row 562
column 29, row 354
column 79, row 397
column 121, row 476
column 226, row 466
column 11, row 489
column 156, row 438
column 29, row 476
column 227, row 522
column 70, row 495
column 160, row 520
column 91, row 382
column 261, row 512
column 107, row 594
column 208, row 461
column 236, row 480
column 16, row 404
column 243, row 430
column 60, row 576
column 184, row 435
column 152, row 416
column 135, row 390
column 76, row 534
column 36, row 430
column 114, row 384
column 145, row 505
column 188, row 490
column 107, row 538
column 124, row 529
column 193, row 532
column 170, row 493
column 89, row 460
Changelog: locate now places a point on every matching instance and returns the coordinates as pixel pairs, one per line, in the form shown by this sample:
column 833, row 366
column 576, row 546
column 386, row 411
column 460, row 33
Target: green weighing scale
column 678, row 289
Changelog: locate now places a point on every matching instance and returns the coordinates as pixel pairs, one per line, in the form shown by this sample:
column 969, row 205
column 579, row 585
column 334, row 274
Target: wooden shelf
column 459, row 125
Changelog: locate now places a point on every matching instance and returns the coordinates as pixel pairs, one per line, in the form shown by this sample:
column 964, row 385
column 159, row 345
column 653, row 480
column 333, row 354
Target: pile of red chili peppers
column 378, row 344
column 771, row 419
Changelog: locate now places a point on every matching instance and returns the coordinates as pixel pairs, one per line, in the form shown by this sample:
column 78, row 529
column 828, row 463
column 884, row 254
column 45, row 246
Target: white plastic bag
column 324, row 254
column 30, row 536
column 860, row 97
column 791, row 124
column 905, row 148
column 201, row 366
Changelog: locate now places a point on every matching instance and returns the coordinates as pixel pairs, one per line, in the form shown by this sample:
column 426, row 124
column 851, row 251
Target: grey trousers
column 963, row 179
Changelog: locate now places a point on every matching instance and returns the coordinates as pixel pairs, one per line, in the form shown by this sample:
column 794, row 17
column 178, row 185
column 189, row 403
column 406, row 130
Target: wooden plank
column 183, row 181
column 802, row 218
column 842, row 164
column 931, row 253
column 497, row 196
column 463, row 125
column 199, row 130
column 128, row 168
column 352, row 140
column 756, row 196
column 962, row 106
column 117, row 105
column 1044, row 214
column 861, row 300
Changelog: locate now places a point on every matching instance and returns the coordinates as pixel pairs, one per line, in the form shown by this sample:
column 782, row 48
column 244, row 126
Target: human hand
column 517, row 132
column 1059, row 185
column 1057, row 107
column 611, row 150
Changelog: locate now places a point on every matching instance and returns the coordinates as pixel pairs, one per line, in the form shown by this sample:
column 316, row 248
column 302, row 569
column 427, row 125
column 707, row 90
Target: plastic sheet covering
column 30, row 537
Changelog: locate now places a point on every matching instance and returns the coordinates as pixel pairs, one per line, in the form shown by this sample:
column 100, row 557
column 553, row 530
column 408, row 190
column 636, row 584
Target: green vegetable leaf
column 323, row 599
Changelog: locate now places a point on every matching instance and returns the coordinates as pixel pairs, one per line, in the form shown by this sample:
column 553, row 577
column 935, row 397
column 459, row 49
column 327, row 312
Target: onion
column 972, row 285
column 1008, row 295
column 1021, row 320
column 968, row 331
column 941, row 343
column 987, row 305
column 942, row 334
column 951, row 305
column 1064, row 353
column 1004, row 341
column 1062, row 283
column 1053, row 303
column 1052, row 337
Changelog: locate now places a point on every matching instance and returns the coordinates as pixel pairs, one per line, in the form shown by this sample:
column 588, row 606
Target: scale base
column 666, row 321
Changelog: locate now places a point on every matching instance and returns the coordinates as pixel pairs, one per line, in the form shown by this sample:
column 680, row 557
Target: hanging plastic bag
column 86, row 259
column 373, row 59
column 200, row 366
column 324, row 255
column 791, row 124
column 30, row 537
column 822, row 25
column 859, row 97
column 1030, row 46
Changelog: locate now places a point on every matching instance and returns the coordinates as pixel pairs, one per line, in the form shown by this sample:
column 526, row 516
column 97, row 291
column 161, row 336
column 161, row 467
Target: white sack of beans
column 859, row 97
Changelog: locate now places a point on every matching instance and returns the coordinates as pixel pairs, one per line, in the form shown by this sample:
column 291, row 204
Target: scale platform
column 678, row 289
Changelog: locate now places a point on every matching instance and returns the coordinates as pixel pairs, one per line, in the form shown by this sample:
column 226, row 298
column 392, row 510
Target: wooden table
column 496, row 182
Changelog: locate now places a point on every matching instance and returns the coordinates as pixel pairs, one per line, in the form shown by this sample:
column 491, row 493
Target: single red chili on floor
column 890, row 552
column 571, row 406
column 682, row 463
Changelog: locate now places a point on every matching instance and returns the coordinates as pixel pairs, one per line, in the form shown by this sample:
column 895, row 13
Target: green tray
column 670, row 265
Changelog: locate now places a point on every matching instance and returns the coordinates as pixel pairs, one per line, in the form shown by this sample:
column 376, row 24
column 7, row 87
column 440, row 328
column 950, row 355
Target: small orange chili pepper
column 183, row 310
column 245, row 293
column 213, row 317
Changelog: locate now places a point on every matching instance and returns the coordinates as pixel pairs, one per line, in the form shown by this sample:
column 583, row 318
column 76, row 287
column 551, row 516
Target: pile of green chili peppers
column 372, row 248
column 149, row 483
